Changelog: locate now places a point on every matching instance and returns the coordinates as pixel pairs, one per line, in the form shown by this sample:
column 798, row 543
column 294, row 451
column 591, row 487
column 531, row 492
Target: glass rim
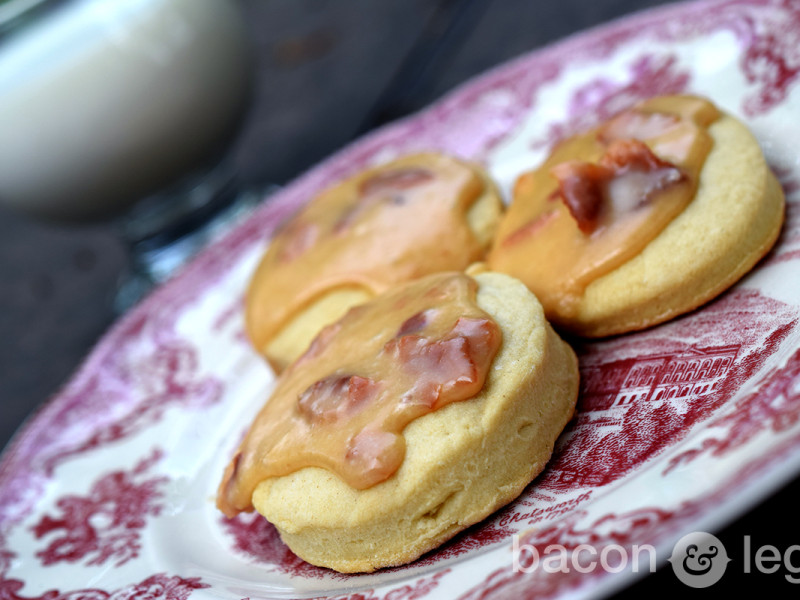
column 14, row 13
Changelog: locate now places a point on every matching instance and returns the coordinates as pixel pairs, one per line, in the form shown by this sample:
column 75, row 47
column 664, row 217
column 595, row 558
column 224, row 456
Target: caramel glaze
column 391, row 223
column 601, row 197
column 344, row 403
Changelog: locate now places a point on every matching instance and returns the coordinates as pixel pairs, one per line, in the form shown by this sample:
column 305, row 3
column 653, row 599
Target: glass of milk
column 104, row 103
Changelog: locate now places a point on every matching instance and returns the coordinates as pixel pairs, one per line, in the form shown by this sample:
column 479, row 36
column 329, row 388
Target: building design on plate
column 633, row 407
column 652, row 378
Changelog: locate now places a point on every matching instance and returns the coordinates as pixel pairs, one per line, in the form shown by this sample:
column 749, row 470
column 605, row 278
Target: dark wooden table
column 326, row 72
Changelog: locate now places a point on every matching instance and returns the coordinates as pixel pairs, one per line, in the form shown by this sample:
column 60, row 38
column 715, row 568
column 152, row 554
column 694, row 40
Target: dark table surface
column 326, row 72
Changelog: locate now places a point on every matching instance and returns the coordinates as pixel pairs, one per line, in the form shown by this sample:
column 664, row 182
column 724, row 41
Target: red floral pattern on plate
column 642, row 393
column 643, row 526
column 155, row 587
column 483, row 535
column 106, row 524
column 772, row 57
column 421, row 588
column 600, row 99
column 788, row 247
column 775, row 407
column 165, row 377
column 258, row 539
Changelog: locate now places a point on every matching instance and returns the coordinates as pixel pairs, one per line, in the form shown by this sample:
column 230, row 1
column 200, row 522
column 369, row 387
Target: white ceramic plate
column 108, row 491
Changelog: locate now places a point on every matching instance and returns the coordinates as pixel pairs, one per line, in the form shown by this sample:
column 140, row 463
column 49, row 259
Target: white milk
column 103, row 101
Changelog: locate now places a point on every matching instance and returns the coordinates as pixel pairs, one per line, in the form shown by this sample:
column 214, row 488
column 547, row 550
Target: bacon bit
column 583, row 186
column 334, row 397
column 297, row 237
column 445, row 366
column 375, row 453
column 580, row 185
column 437, row 292
column 350, row 214
column 235, row 463
column 440, row 360
column 385, row 186
column 395, row 180
column 633, row 124
column 531, row 227
column 227, row 488
column 480, row 336
column 414, row 324
column 632, row 155
column 638, row 174
column 320, row 342
column 361, row 391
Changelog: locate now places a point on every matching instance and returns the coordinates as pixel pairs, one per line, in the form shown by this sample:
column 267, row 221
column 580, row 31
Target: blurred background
column 325, row 72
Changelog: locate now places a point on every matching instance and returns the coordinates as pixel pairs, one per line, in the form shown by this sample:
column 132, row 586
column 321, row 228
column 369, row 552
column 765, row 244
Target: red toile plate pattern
column 108, row 491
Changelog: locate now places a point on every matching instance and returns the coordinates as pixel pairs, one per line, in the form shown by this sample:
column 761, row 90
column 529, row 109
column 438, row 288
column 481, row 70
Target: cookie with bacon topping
column 409, row 419
column 649, row 216
column 416, row 215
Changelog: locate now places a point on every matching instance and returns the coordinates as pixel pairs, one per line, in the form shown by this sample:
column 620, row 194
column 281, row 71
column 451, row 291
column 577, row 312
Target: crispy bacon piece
column 581, row 187
column 320, row 342
column 414, row 323
column 298, row 237
column 227, row 488
column 375, row 452
column 394, row 180
column 444, row 366
column 584, row 186
column 386, row 186
column 633, row 124
column 634, row 155
column 335, row 397
column 531, row 227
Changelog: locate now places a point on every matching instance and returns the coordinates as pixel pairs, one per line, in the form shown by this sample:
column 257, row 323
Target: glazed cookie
column 408, row 420
column 642, row 219
column 417, row 215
